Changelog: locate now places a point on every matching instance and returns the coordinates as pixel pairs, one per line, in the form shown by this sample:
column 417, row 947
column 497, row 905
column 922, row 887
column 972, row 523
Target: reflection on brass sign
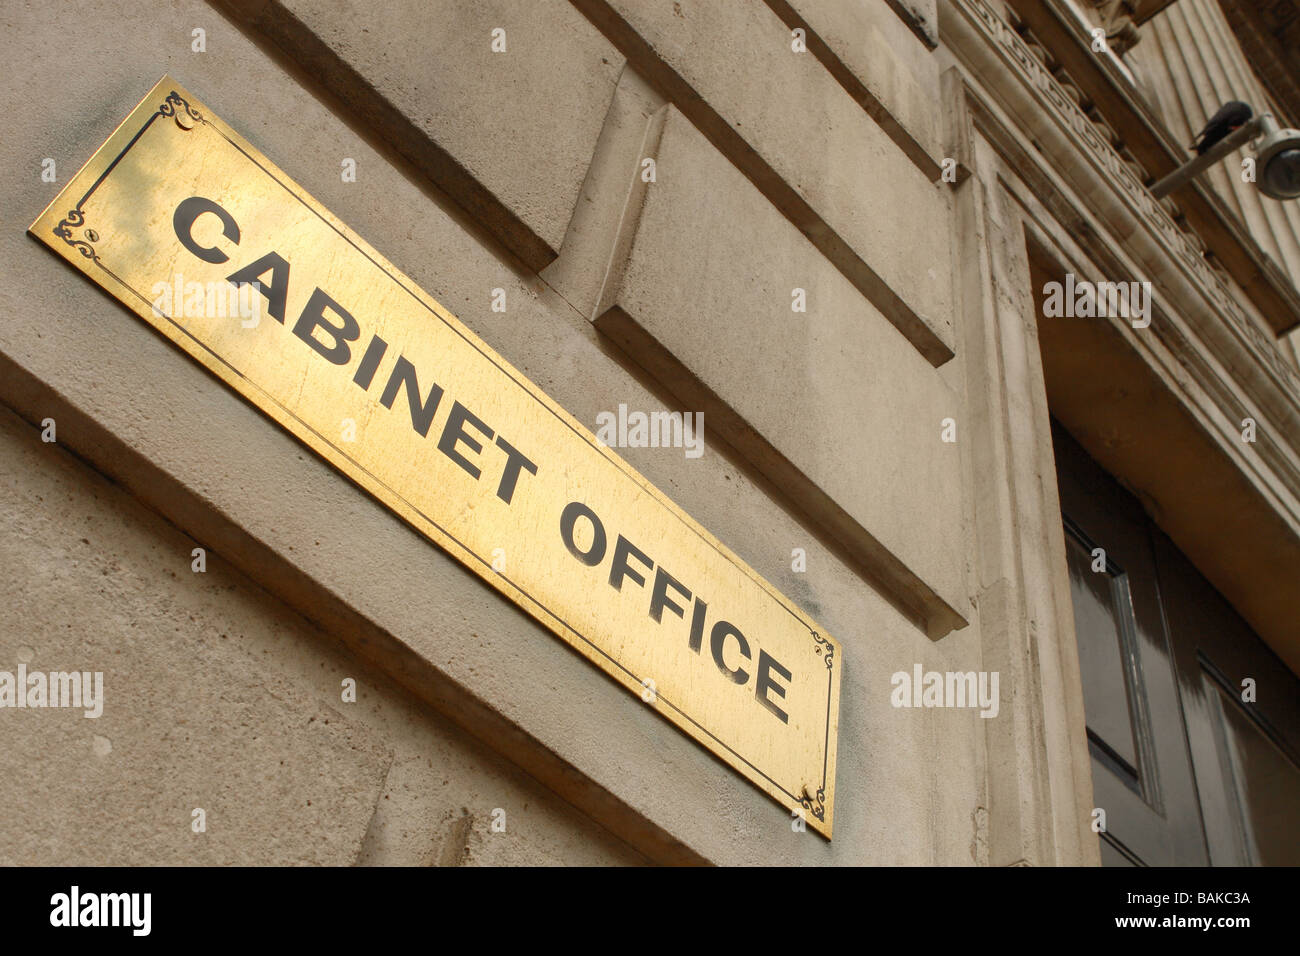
column 177, row 215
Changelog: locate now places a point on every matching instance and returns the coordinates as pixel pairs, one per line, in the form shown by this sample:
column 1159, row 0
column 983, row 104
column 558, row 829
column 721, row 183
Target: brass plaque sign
column 177, row 215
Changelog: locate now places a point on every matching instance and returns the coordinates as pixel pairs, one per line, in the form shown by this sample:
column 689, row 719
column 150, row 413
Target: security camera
column 1277, row 163
column 1277, row 154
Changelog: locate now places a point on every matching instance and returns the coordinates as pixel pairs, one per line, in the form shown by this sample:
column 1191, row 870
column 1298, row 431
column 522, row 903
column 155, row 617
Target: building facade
column 972, row 397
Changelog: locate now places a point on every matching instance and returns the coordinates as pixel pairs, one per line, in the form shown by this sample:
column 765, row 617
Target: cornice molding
column 1070, row 145
column 1055, row 25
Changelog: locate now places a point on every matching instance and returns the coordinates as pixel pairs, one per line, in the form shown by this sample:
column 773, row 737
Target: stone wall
column 776, row 169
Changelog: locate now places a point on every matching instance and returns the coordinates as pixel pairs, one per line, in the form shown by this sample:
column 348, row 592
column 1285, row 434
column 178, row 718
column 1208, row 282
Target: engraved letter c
column 183, row 222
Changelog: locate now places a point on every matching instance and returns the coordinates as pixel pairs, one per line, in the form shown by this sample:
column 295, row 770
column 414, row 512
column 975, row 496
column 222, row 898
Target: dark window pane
column 1100, row 607
column 1268, row 786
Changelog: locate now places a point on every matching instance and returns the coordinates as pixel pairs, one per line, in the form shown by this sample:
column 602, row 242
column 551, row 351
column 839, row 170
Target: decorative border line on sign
column 63, row 230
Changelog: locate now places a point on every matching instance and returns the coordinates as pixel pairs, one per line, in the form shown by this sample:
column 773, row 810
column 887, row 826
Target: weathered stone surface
column 866, row 49
column 217, row 696
column 189, row 717
column 847, row 415
column 787, row 124
column 186, row 445
column 921, row 17
column 506, row 134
